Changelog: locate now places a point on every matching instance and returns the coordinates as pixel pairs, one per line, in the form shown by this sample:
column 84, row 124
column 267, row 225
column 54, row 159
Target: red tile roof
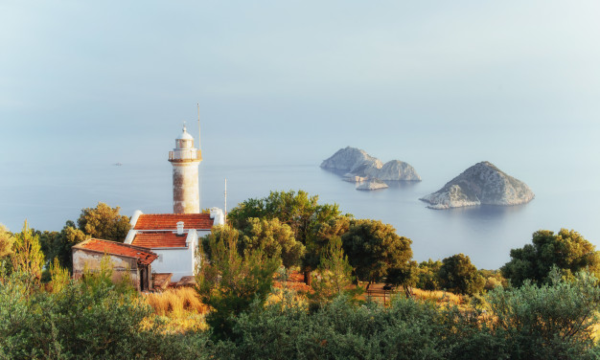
column 144, row 255
column 169, row 221
column 161, row 239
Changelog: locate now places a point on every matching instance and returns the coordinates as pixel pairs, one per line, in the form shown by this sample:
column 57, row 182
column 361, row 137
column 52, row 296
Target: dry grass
column 439, row 297
column 176, row 302
column 177, row 311
column 187, row 321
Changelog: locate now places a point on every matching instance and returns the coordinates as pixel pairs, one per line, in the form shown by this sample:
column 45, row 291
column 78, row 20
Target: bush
column 549, row 322
column 567, row 250
column 72, row 323
column 229, row 282
column 458, row 275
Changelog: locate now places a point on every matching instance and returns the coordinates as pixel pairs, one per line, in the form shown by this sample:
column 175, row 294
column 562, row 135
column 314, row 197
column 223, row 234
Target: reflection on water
column 484, row 212
column 402, row 184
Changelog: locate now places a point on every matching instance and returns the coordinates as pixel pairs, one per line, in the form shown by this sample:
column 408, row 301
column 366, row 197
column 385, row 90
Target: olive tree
column 374, row 248
column 567, row 250
column 458, row 275
column 301, row 212
column 274, row 238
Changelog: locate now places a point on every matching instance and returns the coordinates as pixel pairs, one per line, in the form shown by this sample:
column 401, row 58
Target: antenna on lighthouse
column 198, row 105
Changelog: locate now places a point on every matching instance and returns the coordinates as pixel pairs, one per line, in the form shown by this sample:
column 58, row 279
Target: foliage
column 57, row 245
column 104, row 222
column 567, row 250
column 6, row 242
column 297, row 210
column 274, row 238
column 27, row 257
column 373, row 248
column 220, row 233
column 78, row 322
column 69, row 324
column 493, row 279
column 553, row 321
column 301, row 212
column 321, row 237
column 230, row 282
column 429, row 275
column 458, row 275
column 60, row 277
column 334, row 273
column 406, row 330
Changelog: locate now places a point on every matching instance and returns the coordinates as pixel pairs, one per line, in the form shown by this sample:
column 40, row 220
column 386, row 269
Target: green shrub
column 549, row 322
column 458, row 275
column 229, row 283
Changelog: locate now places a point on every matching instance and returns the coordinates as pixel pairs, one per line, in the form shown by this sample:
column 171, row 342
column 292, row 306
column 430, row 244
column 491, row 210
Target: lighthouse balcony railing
column 185, row 154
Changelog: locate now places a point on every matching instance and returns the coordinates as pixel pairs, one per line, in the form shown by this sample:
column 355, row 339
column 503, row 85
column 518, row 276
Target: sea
column 567, row 196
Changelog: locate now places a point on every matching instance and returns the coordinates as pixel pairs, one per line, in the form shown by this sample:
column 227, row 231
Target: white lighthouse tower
column 185, row 159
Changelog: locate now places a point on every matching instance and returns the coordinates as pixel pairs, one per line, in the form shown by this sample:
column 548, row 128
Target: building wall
column 186, row 192
column 178, row 261
column 90, row 260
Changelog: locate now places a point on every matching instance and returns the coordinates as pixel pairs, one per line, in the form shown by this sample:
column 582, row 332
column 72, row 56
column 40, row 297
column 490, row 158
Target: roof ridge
column 169, row 214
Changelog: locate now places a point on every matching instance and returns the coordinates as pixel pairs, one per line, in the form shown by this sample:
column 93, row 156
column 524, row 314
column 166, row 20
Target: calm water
column 50, row 195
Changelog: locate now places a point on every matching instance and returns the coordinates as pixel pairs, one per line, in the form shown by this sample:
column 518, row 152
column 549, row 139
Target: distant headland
column 481, row 184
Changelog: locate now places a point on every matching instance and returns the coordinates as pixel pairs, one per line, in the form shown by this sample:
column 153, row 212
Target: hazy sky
column 110, row 81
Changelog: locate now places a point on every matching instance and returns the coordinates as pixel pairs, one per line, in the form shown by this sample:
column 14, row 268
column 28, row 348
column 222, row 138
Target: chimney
column 180, row 228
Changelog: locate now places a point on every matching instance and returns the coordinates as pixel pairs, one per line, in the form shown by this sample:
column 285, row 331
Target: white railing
column 185, row 154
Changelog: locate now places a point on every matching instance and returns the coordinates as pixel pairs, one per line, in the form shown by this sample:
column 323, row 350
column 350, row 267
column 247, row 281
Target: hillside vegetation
column 249, row 304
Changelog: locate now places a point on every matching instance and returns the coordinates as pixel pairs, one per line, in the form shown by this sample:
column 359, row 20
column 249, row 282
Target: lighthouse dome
column 184, row 141
column 185, row 135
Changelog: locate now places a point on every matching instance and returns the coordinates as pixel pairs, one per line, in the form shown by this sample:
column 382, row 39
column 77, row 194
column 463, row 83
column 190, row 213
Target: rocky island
column 372, row 185
column 481, row 184
column 358, row 166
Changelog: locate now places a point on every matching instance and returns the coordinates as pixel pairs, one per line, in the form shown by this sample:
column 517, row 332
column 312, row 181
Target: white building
column 174, row 238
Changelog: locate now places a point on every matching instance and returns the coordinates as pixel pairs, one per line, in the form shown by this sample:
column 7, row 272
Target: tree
column 321, row 239
column 218, row 234
column 229, row 282
column 458, row 275
column 335, row 273
column 493, row 279
column 301, row 212
column 406, row 275
column 104, row 222
column 567, row 250
column 6, row 242
column 57, row 245
column 373, row 248
column 429, row 275
column 274, row 238
column 27, row 257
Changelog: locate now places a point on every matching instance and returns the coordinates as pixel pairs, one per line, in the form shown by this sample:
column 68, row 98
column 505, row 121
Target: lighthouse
column 185, row 160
